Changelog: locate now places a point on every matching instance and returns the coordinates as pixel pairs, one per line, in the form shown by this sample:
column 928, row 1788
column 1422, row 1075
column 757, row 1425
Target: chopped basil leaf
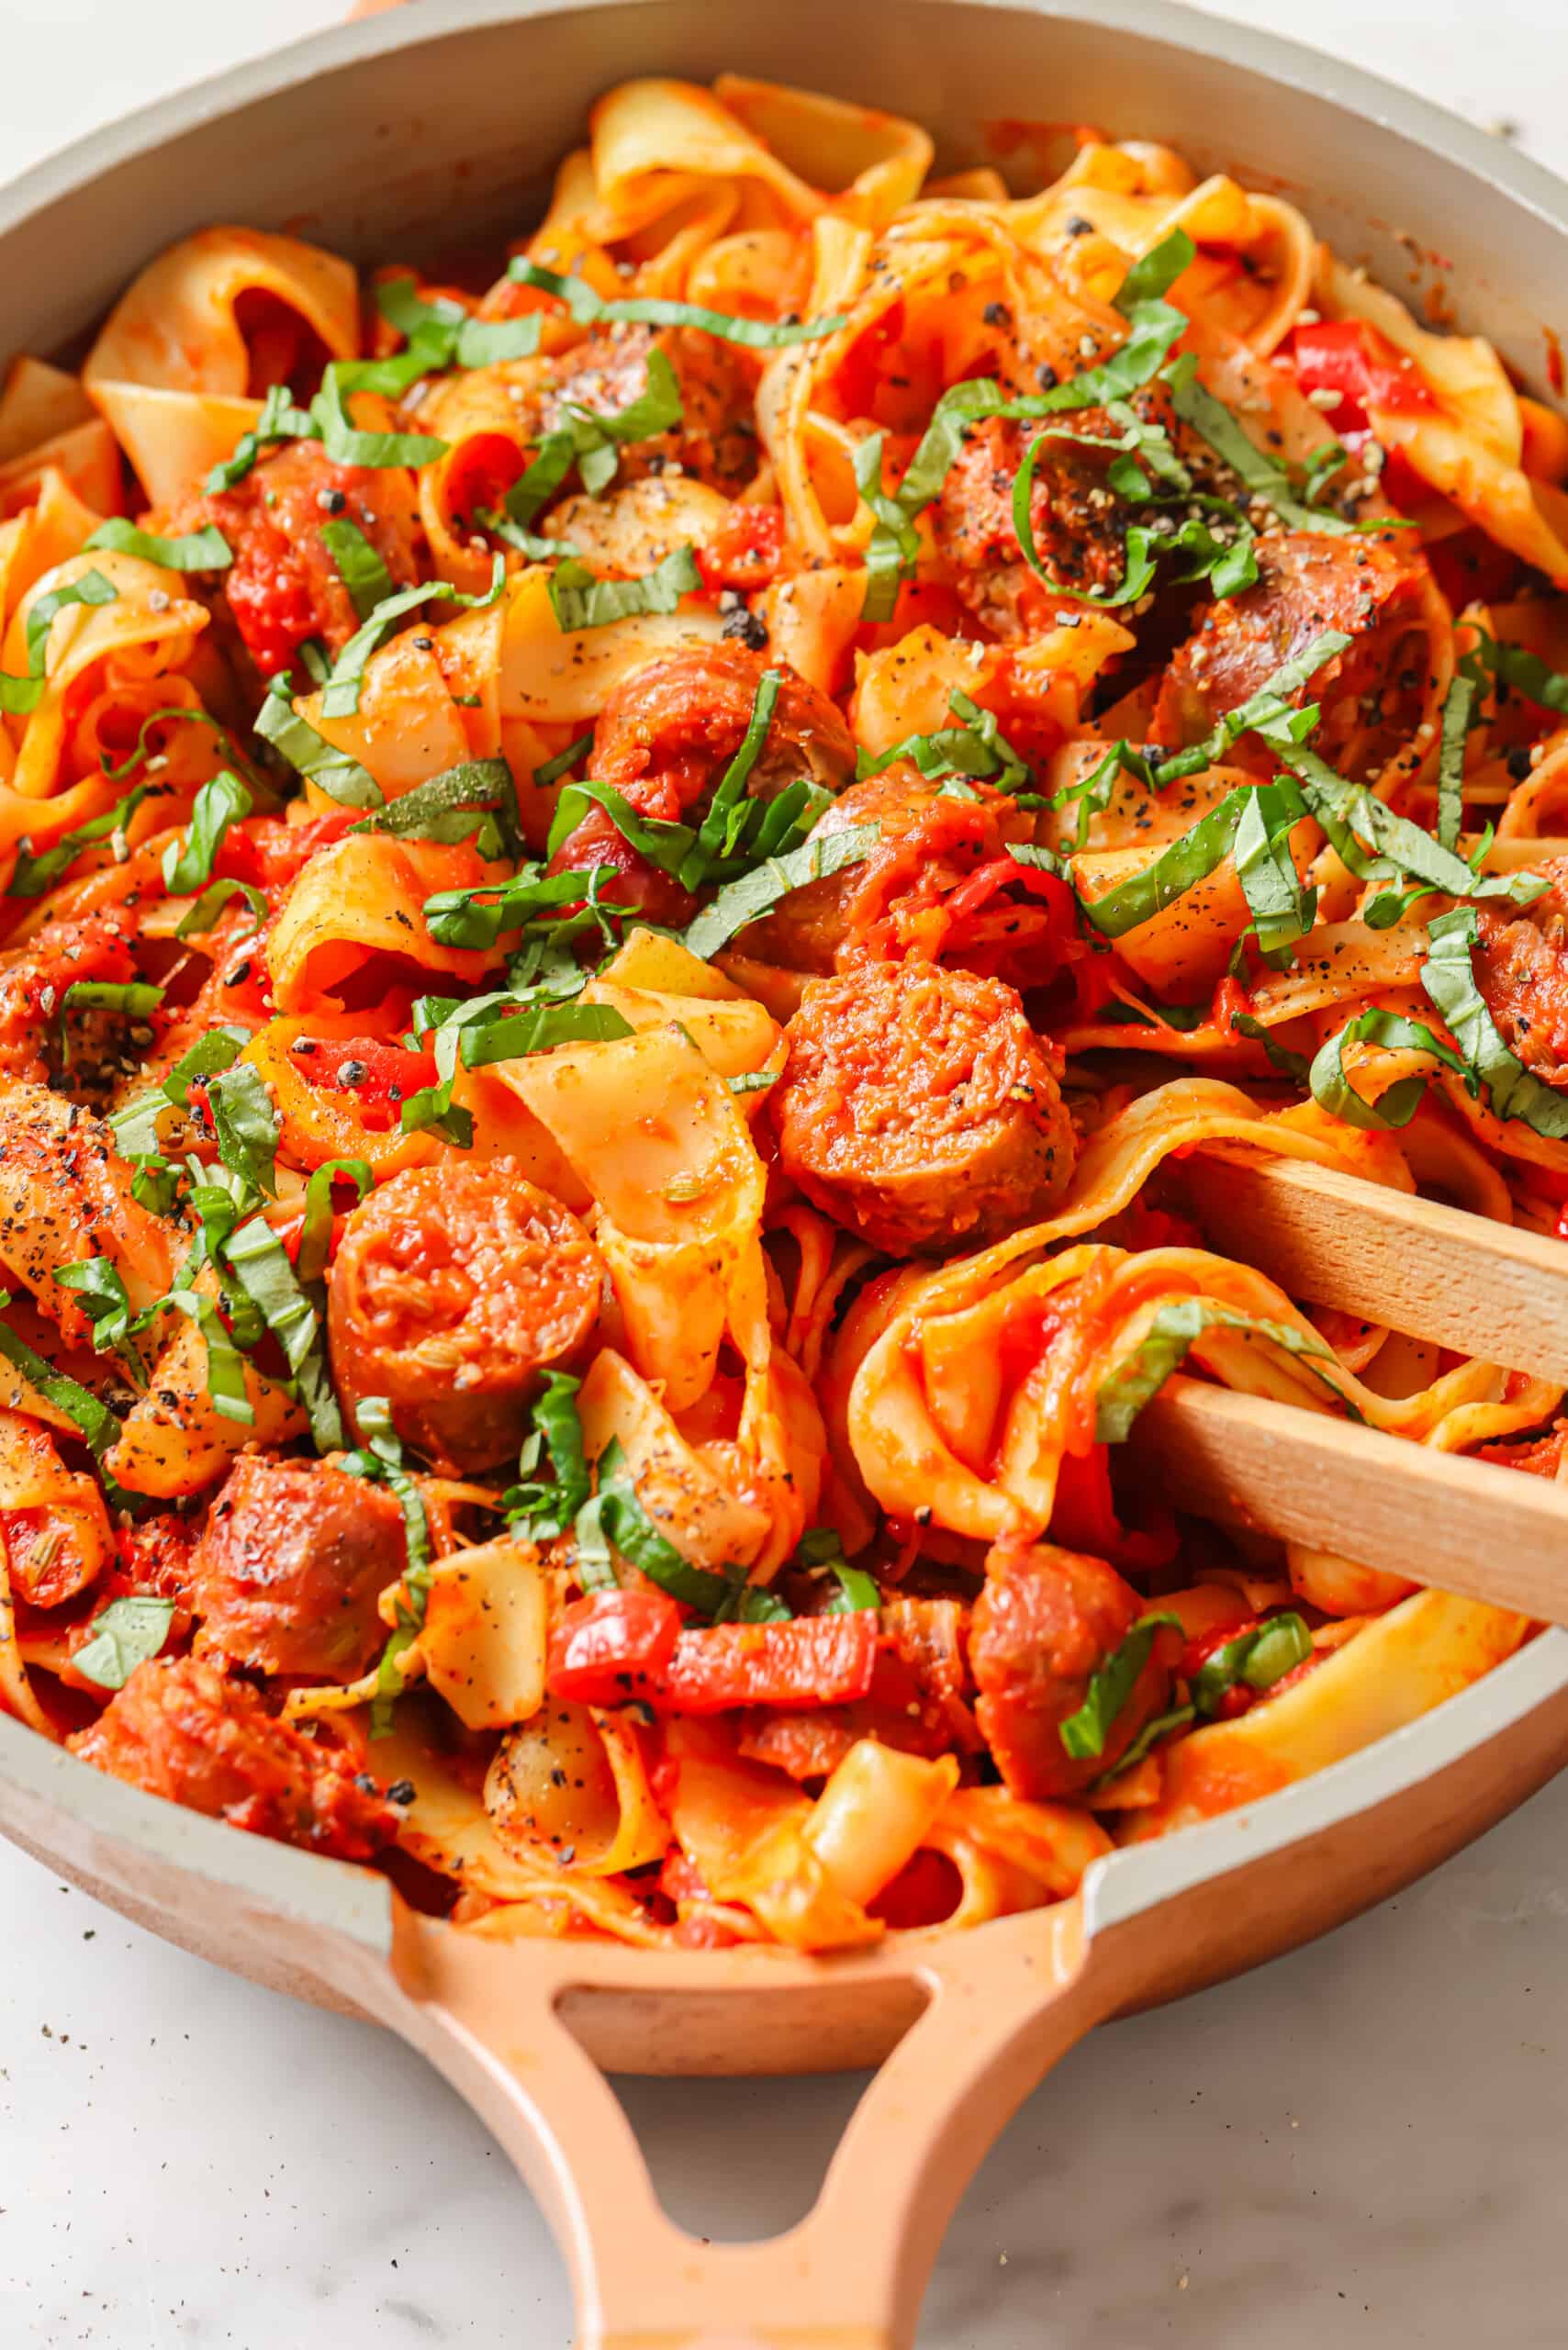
column 563, row 762
column 539, row 1508
column 259, row 1262
column 1268, row 713
column 1264, row 475
column 1083, row 1734
column 477, row 916
column 1163, row 1348
column 1291, row 1065
column 856, row 1592
column 203, row 915
column 1162, row 1725
column 225, row 1363
column 893, row 549
column 1525, row 673
column 220, row 802
column 1350, row 815
column 125, row 1634
column 589, row 308
column 613, row 1517
column 753, row 1081
column 579, row 600
column 441, row 334
column 279, row 421
column 97, row 1284
column 1282, row 907
column 19, row 695
column 97, row 1423
column 1179, row 868
column 316, row 1234
column 339, row 695
column 311, row 755
column 1256, row 1658
column 380, row 1460
column 1448, row 978
column 591, row 439
column 1332, row 1090
column 345, row 444
column 494, row 1028
column 38, row 871
column 135, row 998
column 360, row 566
column 976, row 749
column 245, row 1125
column 1458, row 705
column 1151, row 277
column 476, row 801
column 740, row 902
column 206, row 549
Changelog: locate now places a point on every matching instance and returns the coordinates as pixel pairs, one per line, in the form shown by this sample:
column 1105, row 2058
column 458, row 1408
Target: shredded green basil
column 126, row 1633
column 222, row 801
column 1164, row 1348
column 477, row 801
column 1448, row 978
column 1085, row 1733
column 589, row 308
column 580, row 600
column 20, row 695
column 1331, row 1087
column 740, row 902
column 343, row 779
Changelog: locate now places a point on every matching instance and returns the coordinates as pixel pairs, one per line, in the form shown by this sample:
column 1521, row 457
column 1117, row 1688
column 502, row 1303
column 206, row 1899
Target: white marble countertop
column 1361, row 2145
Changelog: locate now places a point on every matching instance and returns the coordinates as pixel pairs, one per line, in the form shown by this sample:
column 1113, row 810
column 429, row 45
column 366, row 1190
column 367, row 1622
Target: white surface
column 1363, row 2144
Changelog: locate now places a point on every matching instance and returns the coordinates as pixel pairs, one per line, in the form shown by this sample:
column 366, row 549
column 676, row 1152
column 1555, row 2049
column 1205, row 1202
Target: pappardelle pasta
column 627, row 884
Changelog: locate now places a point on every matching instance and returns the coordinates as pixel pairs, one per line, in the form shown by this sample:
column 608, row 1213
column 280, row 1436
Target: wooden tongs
column 1489, row 1291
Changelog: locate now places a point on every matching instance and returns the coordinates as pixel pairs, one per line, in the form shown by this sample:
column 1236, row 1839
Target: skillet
column 374, row 138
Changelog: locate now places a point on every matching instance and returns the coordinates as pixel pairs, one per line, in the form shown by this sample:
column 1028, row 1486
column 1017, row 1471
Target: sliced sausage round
column 919, row 1108
column 181, row 1729
column 454, row 1288
column 289, row 1567
column 1521, row 970
column 1047, row 1620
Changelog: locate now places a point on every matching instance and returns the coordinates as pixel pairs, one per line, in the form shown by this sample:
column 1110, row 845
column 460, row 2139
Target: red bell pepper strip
column 1347, row 356
column 613, row 1646
column 380, row 1076
column 815, row 1661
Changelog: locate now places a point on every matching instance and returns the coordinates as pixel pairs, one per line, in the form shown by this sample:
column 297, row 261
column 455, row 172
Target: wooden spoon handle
column 1000, row 2010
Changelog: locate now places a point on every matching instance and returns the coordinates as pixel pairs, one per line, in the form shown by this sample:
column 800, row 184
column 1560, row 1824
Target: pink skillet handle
column 1000, row 2008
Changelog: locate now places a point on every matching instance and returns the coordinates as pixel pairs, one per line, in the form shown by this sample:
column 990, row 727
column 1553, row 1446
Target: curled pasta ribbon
column 150, row 627
column 172, row 371
column 362, row 898
column 1397, row 1668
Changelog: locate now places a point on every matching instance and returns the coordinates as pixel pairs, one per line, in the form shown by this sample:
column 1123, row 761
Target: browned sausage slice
column 1047, row 1620
column 453, row 1289
column 919, row 1108
column 289, row 1566
column 180, row 1729
column 1521, row 969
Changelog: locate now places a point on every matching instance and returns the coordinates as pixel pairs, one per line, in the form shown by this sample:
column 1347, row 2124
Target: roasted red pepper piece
column 613, row 1646
column 1347, row 356
column 380, row 1077
column 815, row 1661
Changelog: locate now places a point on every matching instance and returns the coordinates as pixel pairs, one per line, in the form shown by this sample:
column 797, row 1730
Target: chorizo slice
column 1045, row 1621
column 918, row 1107
column 941, row 882
column 452, row 1289
column 666, row 736
column 182, row 1729
column 1370, row 589
column 1078, row 526
column 716, row 439
column 290, row 1564
column 1521, row 970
